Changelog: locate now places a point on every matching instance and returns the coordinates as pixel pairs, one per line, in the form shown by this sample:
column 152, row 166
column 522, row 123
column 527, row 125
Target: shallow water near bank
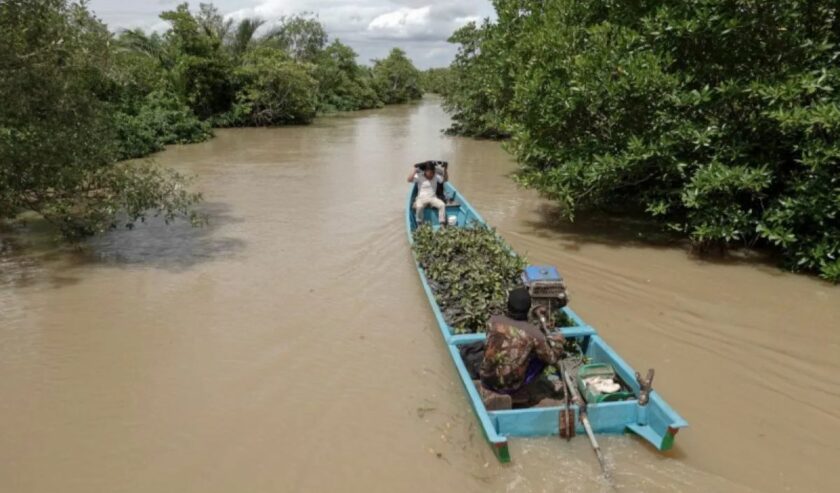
column 288, row 345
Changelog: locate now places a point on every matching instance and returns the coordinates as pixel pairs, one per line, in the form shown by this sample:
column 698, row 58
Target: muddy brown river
column 288, row 345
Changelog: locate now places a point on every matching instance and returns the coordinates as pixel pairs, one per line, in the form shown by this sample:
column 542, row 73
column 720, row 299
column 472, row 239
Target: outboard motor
column 546, row 287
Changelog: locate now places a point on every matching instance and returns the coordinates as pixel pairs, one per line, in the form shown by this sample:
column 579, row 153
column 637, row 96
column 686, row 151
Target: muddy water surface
column 288, row 346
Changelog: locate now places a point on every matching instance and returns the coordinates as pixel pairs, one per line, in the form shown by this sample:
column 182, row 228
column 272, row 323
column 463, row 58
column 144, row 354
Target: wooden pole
column 584, row 418
column 570, row 387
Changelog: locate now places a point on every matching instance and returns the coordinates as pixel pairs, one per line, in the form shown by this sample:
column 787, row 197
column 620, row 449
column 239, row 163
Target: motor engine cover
column 545, row 285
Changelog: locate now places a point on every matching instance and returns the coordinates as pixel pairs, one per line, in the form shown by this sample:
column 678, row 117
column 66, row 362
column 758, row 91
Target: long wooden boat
column 654, row 421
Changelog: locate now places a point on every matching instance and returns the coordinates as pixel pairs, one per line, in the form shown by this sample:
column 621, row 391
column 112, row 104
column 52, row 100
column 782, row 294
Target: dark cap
column 519, row 302
column 425, row 165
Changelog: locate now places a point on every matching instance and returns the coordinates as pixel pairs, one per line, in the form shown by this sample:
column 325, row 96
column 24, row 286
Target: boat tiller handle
column 645, row 386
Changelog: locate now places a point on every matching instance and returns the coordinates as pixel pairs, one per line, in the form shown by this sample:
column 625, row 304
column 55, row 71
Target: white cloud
column 158, row 27
column 462, row 21
column 404, row 23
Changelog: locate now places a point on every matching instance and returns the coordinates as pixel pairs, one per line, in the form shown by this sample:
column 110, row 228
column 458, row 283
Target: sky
column 371, row 27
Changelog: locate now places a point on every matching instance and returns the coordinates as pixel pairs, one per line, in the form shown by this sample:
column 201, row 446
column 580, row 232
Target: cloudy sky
column 371, row 27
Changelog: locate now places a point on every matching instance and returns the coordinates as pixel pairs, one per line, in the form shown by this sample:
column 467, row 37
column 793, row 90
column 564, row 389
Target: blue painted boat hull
column 656, row 422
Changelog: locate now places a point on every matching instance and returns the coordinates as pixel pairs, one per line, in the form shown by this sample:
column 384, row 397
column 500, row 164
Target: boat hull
column 656, row 422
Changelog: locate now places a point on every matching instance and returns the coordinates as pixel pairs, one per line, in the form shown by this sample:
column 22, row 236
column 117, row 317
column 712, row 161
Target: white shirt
column 426, row 188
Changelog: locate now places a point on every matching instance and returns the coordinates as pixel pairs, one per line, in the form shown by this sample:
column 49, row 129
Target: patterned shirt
column 515, row 352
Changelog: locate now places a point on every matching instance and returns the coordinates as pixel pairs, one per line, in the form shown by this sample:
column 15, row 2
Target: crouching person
column 515, row 355
column 427, row 181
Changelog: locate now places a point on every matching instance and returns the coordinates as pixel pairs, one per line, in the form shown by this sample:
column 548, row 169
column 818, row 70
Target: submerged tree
column 57, row 145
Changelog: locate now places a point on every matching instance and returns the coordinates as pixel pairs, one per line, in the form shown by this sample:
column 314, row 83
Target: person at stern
column 515, row 355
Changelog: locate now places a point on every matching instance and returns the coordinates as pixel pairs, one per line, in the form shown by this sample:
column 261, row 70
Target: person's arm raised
column 412, row 175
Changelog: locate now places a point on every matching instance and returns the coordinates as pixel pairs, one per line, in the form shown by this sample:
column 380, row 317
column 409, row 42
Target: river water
column 288, row 346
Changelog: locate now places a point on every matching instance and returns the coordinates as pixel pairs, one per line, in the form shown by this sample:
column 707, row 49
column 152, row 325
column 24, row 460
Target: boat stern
column 657, row 423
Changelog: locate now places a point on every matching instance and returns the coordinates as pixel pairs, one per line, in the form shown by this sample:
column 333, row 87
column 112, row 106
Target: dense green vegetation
column 719, row 117
column 436, row 81
column 470, row 271
column 395, row 78
column 77, row 99
column 62, row 114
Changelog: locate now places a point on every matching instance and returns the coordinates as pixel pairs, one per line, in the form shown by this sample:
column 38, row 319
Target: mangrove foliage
column 470, row 271
column 719, row 118
column 78, row 99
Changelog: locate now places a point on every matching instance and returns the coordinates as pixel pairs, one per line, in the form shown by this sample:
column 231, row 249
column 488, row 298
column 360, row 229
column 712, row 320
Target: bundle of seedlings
column 470, row 271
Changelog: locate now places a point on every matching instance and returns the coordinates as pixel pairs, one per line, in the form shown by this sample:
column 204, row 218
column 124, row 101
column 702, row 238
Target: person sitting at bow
column 427, row 181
